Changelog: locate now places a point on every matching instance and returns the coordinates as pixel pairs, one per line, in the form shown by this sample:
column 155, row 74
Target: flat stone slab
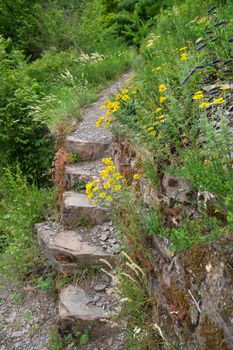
column 87, row 150
column 77, row 211
column 76, row 309
column 75, row 304
column 68, row 249
column 82, row 172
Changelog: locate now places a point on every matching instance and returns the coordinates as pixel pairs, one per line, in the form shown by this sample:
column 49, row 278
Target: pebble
column 100, row 287
column 99, row 304
column 110, row 341
column 104, row 237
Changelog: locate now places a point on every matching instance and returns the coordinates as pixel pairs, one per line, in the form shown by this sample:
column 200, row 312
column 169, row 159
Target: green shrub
column 24, row 139
column 21, row 207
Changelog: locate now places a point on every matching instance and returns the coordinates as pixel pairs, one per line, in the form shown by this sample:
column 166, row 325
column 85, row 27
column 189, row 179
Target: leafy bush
column 23, row 139
column 21, row 207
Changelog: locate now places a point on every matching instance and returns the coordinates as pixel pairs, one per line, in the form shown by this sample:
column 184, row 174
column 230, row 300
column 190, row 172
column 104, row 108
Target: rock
column 18, row 334
column 110, row 341
column 68, row 249
column 75, row 307
column 86, row 149
column 104, row 237
column 175, row 188
column 77, row 211
column 100, row 287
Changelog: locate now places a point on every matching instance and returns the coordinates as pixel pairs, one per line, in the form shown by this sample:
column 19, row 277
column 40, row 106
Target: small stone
column 116, row 248
column 99, row 304
column 95, row 349
column 104, row 237
column 112, row 241
column 100, row 287
column 110, row 341
column 18, row 334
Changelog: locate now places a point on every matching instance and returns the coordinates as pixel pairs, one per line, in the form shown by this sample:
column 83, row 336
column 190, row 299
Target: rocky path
column 81, row 243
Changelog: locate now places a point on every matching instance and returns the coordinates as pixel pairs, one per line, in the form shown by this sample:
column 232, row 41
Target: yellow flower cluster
column 184, row 55
column 159, row 119
column 217, row 101
column 110, row 182
column 113, row 107
column 162, row 88
column 198, row 95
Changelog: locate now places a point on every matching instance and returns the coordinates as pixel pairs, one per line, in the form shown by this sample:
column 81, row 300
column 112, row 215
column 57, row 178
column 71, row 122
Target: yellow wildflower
column 117, row 176
column 153, row 133
column 118, row 96
column 107, row 161
column 125, row 91
column 109, row 198
column 107, row 185
column 117, row 187
column 95, row 202
column 150, row 128
column 183, row 48
column 102, row 195
column 110, row 168
column 158, row 110
column 95, row 189
column 125, row 97
column 184, row 56
column 156, row 69
column 218, row 101
column 162, row 99
column 198, row 95
column 102, row 107
column 224, row 87
column 162, row 88
column 136, row 177
column 204, row 104
column 108, row 113
column 104, row 174
column 109, row 120
column 99, row 121
column 89, row 197
column 161, row 117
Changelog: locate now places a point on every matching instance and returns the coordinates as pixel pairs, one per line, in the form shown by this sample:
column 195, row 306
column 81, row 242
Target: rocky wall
column 193, row 290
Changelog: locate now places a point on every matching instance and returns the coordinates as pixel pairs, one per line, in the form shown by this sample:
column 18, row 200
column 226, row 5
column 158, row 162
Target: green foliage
column 131, row 19
column 21, row 207
column 35, row 26
column 24, row 139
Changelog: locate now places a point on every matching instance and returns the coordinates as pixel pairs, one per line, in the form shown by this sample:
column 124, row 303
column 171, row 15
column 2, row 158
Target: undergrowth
column 21, row 207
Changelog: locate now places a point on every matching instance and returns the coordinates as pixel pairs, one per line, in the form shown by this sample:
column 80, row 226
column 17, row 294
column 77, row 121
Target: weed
column 27, row 315
column 83, row 221
column 45, row 284
column 16, row 297
column 74, row 158
column 79, row 185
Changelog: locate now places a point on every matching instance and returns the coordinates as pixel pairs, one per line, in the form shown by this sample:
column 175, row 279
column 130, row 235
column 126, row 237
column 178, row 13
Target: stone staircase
column 86, row 239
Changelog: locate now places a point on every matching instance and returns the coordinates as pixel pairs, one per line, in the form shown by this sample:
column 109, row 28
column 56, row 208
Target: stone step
column 77, row 211
column 87, row 150
column 82, row 309
column 72, row 251
column 77, row 175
